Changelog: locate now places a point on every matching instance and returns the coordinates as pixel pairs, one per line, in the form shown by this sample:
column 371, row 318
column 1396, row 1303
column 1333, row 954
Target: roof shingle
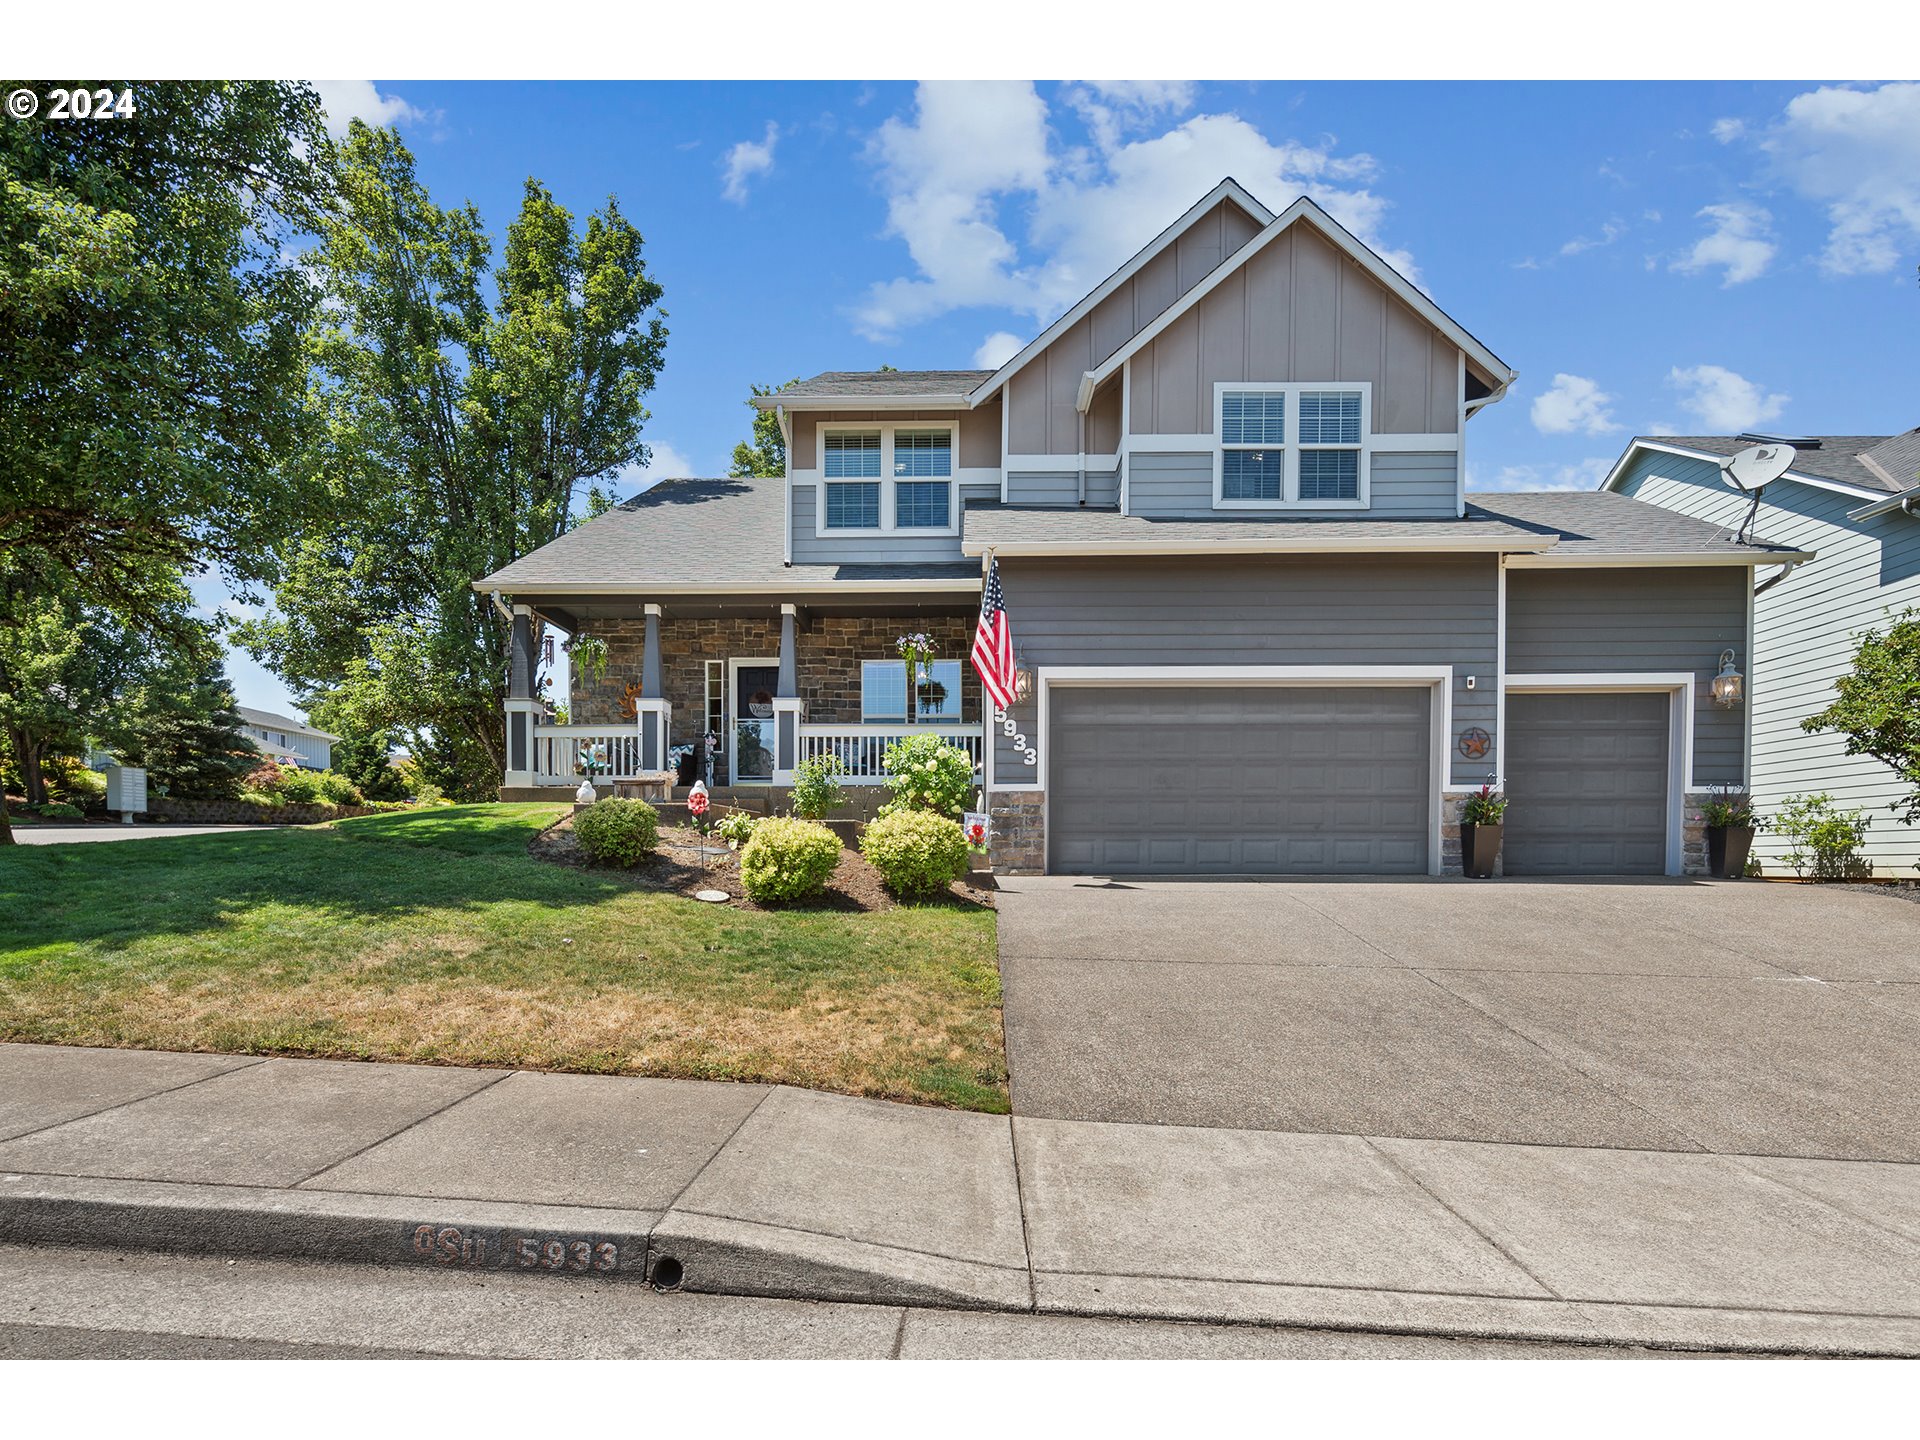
column 1837, row 459
column 879, row 384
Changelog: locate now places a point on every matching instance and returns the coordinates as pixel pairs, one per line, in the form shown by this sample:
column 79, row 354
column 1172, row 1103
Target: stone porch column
column 651, row 709
column 521, row 707
column 786, row 701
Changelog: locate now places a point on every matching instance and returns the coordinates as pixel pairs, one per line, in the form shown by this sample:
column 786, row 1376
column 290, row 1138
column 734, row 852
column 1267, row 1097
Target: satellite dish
column 1757, row 465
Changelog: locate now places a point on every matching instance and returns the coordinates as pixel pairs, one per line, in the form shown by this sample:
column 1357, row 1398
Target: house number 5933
column 1028, row 755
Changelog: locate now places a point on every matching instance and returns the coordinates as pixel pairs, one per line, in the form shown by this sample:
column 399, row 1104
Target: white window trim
column 1290, row 477
column 886, row 478
column 955, row 693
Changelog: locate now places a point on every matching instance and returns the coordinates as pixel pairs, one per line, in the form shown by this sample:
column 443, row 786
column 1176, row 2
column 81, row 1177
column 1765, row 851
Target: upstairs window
column 887, row 478
column 849, row 456
column 1285, row 445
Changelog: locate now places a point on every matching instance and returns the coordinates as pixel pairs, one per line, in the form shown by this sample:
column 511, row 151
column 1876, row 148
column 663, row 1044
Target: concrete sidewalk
column 772, row 1191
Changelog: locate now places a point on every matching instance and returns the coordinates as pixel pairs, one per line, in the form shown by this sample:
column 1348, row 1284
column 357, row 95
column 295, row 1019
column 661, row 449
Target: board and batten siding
column 1254, row 610
column 1641, row 620
column 870, row 547
column 1298, row 310
column 1062, row 487
column 978, row 432
column 1402, row 485
column 1865, row 574
column 1042, row 418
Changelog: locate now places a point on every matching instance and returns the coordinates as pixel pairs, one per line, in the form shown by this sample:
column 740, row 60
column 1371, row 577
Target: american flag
column 993, row 641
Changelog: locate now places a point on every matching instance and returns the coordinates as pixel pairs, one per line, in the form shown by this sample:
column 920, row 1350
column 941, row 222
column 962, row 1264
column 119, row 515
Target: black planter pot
column 1479, row 848
column 1727, row 849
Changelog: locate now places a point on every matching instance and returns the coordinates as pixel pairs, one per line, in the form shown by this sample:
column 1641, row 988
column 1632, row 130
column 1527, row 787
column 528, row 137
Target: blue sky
column 1693, row 258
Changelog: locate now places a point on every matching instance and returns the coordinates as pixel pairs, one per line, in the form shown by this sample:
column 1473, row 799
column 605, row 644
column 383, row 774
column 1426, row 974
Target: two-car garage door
column 1239, row 780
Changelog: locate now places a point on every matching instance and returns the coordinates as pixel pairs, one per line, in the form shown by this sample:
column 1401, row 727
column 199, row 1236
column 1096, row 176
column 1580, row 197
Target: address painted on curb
column 510, row 1250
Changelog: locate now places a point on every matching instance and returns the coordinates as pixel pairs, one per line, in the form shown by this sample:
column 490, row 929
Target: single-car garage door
column 1587, row 782
column 1230, row 780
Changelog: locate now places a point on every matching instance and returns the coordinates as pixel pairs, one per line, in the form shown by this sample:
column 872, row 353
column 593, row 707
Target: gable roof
column 274, row 720
column 1304, row 209
column 1595, row 524
column 1838, row 462
column 1228, row 189
column 928, row 388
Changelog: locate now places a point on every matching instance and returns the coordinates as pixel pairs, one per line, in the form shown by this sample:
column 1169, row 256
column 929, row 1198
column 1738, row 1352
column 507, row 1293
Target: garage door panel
column 1587, row 781
column 1239, row 780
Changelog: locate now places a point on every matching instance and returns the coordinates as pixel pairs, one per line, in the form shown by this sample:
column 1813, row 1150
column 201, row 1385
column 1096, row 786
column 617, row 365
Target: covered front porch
column 738, row 690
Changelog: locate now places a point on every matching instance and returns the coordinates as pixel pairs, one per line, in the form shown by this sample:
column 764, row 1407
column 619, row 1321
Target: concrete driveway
column 1731, row 1017
column 87, row 834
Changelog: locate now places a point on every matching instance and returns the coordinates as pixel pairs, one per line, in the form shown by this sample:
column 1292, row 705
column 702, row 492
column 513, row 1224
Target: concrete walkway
column 87, row 834
column 776, row 1192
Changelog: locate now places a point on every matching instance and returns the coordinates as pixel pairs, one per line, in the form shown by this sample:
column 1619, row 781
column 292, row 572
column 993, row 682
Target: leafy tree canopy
column 765, row 456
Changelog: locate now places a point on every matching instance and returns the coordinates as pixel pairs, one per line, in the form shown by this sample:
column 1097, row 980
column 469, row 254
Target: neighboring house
column 1856, row 500
column 1261, row 625
column 289, row 741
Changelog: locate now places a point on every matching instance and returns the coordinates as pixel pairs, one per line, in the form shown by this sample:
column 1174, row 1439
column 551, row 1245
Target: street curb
column 714, row 1255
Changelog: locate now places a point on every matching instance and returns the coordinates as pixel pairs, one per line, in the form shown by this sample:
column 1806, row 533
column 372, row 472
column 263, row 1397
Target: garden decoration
column 588, row 656
column 1730, row 825
column 1482, row 819
column 917, row 650
column 698, row 804
column 974, row 825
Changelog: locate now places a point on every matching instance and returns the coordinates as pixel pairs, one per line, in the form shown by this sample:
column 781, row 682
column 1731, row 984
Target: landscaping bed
column 432, row 936
column 679, row 866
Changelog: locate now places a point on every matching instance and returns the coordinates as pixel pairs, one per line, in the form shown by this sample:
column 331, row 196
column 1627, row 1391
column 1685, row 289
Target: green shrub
column 924, row 772
column 817, row 791
column 272, row 799
column 616, row 831
column 1823, row 840
column 300, row 787
column 337, row 789
column 788, row 859
column 1730, row 810
column 59, row 810
column 916, row 852
column 737, row 828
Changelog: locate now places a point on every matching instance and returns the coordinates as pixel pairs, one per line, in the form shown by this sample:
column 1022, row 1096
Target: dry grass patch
column 374, row 946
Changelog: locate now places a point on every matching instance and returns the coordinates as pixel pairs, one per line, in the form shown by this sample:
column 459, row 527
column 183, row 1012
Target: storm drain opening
column 667, row 1273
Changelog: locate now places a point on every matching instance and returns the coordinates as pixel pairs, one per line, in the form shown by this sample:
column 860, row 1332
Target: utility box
column 127, row 791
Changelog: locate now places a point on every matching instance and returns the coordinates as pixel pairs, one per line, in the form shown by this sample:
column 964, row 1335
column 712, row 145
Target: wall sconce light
column 1729, row 683
column 1022, row 679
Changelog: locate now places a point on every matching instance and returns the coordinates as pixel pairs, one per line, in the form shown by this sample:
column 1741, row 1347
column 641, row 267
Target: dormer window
column 887, row 478
column 1284, row 446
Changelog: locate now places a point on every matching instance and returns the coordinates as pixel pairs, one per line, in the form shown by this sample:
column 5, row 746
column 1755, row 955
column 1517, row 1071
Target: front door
column 755, row 683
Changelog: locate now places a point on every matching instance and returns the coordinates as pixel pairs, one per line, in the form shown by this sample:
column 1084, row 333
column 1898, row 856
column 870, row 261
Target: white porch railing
column 560, row 753
column 860, row 747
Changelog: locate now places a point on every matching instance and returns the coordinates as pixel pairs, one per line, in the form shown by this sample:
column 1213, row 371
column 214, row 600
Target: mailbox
column 127, row 791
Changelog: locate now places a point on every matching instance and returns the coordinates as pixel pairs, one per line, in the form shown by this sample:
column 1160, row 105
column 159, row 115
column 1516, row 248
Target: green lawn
column 431, row 936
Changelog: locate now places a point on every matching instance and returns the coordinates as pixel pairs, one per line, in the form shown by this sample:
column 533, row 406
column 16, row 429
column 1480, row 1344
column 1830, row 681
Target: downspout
column 506, row 612
column 786, row 441
column 1772, row 580
column 1082, row 402
column 1083, row 457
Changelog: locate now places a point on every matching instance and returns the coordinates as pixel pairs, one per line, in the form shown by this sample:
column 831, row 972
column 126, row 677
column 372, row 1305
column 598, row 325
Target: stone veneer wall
column 242, row 812
column 1018, row 844
column 829, row 651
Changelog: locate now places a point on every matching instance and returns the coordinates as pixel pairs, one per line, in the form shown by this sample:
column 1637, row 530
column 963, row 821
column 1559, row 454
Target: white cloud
column 1723, row 400
column 346, row 100
column 1728, row 129
column 748, row 159
column 667, row 463
column 974, row 156
column 1741, row 243
column 1581, row 475
column 1857, row 151
column 1573, row 404
column 998, row 348
column 1113, row 107
column 1609, row 232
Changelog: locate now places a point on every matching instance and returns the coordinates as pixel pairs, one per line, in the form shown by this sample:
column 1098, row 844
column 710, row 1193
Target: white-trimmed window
column 1291, row 445
column 887, row 478
column 883, row 691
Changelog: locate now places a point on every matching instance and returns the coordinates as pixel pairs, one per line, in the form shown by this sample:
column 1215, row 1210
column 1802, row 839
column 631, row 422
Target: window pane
column 883, row 690
column 1329, row 474
column 1253, row 417
column 854, row 506
column 1251, row 474
column 922, row 452
column 921, row 503
column 1330, row 417
column 852, row 455
column 941, row 700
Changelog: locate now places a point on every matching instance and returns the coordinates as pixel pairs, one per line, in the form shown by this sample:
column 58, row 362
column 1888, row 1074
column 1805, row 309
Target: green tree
column 454, row 435
column 151, row 320
column 361, row 756
column 183, row 729
column 765, row 456
column 1877, row 708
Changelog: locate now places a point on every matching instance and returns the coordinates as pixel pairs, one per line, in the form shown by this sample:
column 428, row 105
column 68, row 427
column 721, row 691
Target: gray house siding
column 1298, row 310
column 1403, row 485
column 873, row 548
column 1866, row 573
column 1062, row 487
column 978, row 432
column 1653, row 619
column 1256, row 611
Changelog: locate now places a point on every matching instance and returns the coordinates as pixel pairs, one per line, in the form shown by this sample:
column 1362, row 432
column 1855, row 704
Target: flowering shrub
column 916, row 853
column 924, row 772
column 788, row 859
column 273, row 784
column 617, row 831
column 1486, row 806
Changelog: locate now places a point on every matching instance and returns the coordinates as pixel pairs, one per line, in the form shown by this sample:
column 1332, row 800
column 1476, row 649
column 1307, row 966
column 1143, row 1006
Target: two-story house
column 1260, row 626
column 287, row 740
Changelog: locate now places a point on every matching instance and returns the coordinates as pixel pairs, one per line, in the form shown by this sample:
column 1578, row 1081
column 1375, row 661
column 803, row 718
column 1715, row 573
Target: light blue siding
column 1062, row 487
column 1867, row 572
column 896, row 546
column 1404, row 485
